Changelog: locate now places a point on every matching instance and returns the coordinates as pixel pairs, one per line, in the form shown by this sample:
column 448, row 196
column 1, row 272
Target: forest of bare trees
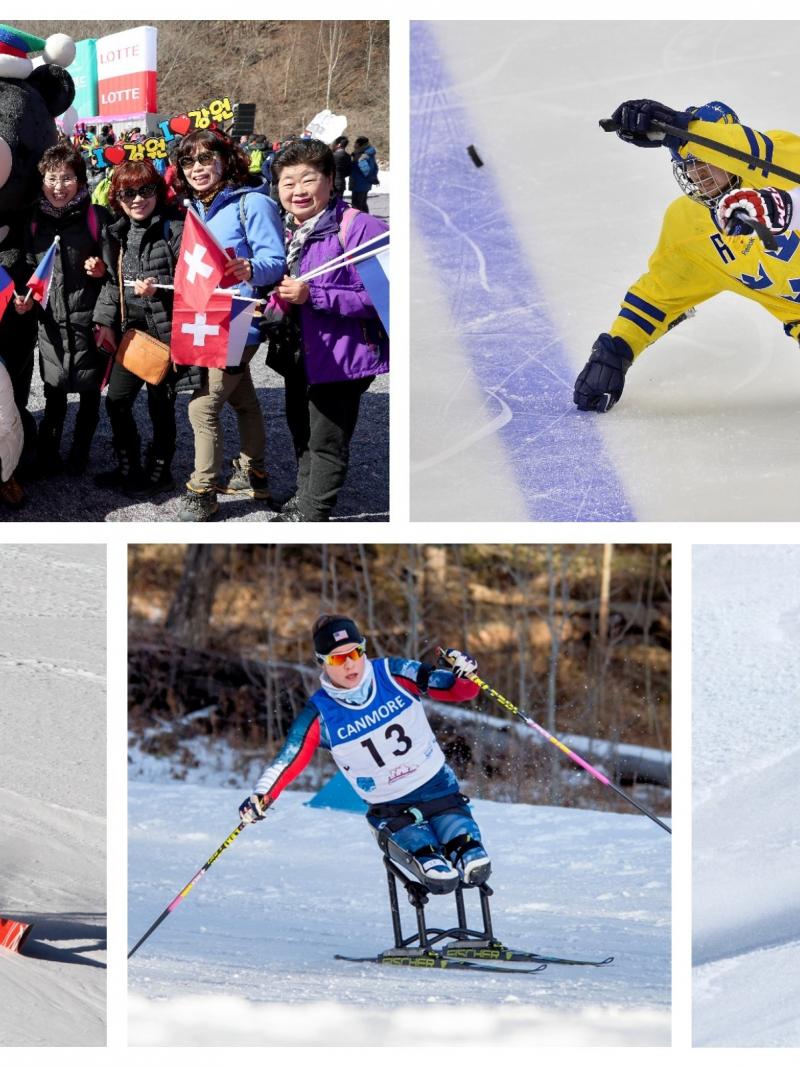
column 289, row 69
column 578, row 635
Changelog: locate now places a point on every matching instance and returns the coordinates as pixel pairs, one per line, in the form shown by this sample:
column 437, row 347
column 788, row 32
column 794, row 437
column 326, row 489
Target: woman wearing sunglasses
column 370, row 715
column 233, row 203
column 148, row 237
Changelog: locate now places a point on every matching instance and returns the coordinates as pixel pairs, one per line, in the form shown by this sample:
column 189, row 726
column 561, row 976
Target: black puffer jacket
column 158, row 254
column 68, row 358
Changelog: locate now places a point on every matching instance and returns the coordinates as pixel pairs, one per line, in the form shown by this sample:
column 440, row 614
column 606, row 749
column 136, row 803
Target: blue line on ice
column 512, row 345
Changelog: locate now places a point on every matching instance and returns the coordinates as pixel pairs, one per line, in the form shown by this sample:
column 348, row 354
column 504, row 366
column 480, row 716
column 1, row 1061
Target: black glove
column 636, row 117
column 771, row 207
column 254, row 808
column 599, row 385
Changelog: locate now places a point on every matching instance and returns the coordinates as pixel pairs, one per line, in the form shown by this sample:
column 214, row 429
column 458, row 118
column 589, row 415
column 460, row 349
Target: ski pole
column 188, row 887
column 504, row 702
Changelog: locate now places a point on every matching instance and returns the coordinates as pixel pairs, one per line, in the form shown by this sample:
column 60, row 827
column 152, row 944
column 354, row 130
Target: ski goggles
column 338, row 659
column 144, row 191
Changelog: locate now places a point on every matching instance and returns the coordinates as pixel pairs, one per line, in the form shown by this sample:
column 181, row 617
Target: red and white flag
column 201, row 262
column 200, row 338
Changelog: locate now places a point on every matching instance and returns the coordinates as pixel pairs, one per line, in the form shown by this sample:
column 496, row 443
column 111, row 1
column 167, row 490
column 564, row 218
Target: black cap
column 338, row 630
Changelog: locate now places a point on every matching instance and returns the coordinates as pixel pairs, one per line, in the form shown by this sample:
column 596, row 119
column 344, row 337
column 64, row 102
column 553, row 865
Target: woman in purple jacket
column 331, row 344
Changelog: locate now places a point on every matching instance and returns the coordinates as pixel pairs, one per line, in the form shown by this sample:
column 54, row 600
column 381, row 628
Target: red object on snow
column 13, row 934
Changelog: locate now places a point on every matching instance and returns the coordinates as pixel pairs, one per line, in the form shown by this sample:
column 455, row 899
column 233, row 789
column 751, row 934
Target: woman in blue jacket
column 233, row 203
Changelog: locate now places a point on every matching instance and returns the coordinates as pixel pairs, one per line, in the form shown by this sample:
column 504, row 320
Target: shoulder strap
column 347, row 218
column 94, row 223
column 243, row 220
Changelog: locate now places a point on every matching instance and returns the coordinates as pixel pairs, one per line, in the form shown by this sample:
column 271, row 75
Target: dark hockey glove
column 254, row 808
column 771, row 207
column 636, row 117
column 599, row 385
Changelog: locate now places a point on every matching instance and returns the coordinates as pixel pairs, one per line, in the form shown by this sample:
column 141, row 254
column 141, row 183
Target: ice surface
column 707, row 428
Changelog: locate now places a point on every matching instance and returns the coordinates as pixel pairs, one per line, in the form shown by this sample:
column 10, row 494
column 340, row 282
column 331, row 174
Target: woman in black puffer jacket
column 149, row 236
column 69, row 361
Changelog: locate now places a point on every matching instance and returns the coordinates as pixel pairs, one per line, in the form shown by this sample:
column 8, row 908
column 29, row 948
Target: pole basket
column 13, row 934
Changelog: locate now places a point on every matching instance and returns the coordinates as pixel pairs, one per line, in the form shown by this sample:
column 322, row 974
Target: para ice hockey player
column 697, row 255
column 369, row 714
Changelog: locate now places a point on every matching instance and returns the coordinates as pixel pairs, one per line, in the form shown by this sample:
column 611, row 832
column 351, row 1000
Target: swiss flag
column 201, row 262
column 200, row 338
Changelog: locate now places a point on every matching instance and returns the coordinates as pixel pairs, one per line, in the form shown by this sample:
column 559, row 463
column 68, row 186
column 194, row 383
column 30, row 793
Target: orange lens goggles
column 336, row 659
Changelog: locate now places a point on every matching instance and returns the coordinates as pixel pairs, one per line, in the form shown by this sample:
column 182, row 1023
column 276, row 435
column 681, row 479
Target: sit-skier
column 369, row 714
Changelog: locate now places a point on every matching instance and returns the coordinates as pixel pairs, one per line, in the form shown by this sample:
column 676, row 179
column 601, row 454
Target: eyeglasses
column 203, row 158
column 60, row 179
column 144, row 191
column 337, row 659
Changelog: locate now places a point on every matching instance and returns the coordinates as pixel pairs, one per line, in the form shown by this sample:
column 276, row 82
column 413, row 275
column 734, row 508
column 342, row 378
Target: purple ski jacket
column 342, row 335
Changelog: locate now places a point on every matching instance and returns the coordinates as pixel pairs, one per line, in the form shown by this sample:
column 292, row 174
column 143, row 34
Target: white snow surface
column 707, row 425
column 746, row 924
column 53, row 793
column 247, row 958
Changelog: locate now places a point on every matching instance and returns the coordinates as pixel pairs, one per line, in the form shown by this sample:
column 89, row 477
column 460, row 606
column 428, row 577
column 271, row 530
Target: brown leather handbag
column 138, row 352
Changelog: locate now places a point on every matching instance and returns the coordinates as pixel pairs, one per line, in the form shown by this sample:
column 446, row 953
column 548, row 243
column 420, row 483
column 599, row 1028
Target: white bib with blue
column 385, row 747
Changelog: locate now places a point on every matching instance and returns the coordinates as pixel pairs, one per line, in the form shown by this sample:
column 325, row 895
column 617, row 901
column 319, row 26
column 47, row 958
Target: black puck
column 473, row 155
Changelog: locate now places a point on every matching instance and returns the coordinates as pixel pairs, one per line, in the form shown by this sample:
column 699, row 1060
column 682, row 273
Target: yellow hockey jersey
column 693, row 261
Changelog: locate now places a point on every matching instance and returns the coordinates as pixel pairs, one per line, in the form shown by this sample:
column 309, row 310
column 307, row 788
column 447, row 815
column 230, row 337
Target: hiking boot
column 289, row 513
column 12, row 494
column 247, row 481
column 157, row 478
column 126, row 477
column 198, row 505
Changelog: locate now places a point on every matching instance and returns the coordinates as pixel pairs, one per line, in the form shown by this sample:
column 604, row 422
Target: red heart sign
column 114, row 154
column 181, row 124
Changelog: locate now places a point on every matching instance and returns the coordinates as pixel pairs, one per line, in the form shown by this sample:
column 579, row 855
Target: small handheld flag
column 6, row 290
column 200, row 266
column 40, row 281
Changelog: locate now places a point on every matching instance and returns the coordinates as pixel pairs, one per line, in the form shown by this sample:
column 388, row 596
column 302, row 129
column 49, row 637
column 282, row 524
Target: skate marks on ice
column 501, row 321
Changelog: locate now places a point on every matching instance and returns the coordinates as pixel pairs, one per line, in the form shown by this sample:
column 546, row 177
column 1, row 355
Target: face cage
column 709, row 200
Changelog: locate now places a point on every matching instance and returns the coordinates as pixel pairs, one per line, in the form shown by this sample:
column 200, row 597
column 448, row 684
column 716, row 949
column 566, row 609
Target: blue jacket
column 260, row 241
column 365, row 171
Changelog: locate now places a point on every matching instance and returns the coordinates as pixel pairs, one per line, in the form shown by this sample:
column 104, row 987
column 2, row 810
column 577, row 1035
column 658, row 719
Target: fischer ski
column 433, row 959
column 498, row 951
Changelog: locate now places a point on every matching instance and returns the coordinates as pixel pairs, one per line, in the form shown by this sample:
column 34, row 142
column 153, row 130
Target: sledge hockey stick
column 766, row 167
column 504, row 702
column 188, row 887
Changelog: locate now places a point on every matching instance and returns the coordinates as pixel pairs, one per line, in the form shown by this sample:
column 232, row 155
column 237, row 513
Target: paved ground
column 365, row 496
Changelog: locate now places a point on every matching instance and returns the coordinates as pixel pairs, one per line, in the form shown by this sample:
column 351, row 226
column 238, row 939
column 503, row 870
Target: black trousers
column 322, row 420
column 123, row 388
column 55, row 413
column 359, row 200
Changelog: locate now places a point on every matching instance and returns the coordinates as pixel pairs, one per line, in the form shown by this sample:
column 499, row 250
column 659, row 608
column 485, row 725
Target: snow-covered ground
column 746, row 922
column 53, row 793
column 518, row 265
column 247, row 958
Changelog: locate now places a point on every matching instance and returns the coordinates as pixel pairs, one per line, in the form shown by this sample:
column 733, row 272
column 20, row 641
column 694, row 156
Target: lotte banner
column 126, row 72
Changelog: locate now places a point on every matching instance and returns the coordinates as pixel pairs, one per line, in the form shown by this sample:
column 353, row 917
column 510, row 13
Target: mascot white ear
column 15, row 46
column 59, row 49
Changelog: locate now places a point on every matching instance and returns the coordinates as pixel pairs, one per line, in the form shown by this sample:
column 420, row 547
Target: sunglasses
column 337, row 659
column 144, row 191
column 203, row 158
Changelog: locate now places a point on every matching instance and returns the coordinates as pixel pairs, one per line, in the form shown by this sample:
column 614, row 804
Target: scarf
column 360, row 695
column 56, row 212
column 297, row 233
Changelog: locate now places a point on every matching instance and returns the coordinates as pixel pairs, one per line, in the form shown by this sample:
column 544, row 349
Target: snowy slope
column 250, row 950
column 53, row 792
column 520, row 264
column 746, row 925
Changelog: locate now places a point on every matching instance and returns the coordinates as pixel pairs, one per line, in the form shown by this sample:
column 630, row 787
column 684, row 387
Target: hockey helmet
column 704, row 191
